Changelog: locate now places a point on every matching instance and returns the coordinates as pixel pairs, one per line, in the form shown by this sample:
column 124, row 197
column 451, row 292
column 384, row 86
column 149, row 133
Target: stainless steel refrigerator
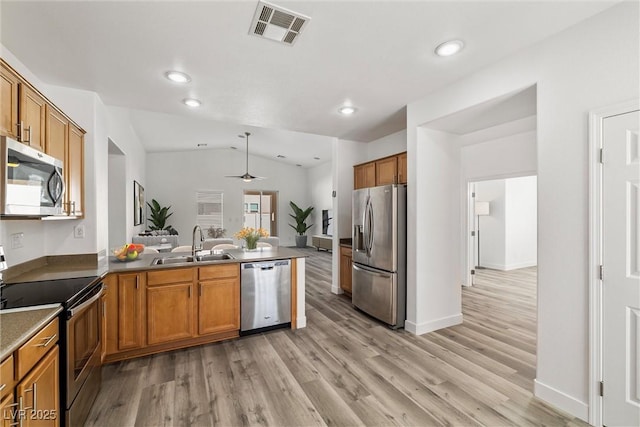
column 379, row 252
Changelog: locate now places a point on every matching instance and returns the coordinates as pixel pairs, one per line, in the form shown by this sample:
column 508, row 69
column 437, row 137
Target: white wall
column 522, row 223
column 174, row 177
column 320, row 186
column 386, row 146
column 508, row 235
column 591, row 65
column 345, row 155
column 492, row 227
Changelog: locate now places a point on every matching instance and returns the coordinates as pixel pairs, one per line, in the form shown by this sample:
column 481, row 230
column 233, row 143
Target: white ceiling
column 376, row 55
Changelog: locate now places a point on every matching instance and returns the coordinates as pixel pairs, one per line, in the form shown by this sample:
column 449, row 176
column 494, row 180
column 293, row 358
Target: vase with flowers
column 251, row 235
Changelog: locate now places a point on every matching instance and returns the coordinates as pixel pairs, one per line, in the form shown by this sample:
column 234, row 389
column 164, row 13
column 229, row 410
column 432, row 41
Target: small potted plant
column 159, row 216
column 301, row 227
column 251, row 235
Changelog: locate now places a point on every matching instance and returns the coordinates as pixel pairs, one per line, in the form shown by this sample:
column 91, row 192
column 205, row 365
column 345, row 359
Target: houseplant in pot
column 301, row 226
column 159, row 216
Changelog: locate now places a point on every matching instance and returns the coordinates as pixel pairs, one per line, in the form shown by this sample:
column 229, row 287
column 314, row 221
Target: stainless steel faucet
column 193, row 241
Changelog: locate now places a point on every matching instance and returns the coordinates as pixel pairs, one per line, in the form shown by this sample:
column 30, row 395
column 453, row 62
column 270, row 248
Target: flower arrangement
column 251, row 236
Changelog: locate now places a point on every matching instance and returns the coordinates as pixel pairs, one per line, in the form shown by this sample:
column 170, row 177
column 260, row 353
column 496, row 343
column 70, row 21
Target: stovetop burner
column 62, row 291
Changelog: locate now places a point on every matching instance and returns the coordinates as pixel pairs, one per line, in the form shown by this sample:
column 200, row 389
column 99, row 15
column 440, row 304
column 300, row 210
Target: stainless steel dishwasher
column 265, row 289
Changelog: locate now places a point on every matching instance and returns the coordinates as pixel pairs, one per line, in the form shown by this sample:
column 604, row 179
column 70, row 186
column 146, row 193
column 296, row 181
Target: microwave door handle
column 54, row 180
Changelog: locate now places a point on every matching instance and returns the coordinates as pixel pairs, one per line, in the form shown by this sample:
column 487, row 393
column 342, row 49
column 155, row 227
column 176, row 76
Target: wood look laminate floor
column 345, row 369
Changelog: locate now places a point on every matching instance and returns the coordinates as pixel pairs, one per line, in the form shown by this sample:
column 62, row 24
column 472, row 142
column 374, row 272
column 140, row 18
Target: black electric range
column 68, row 292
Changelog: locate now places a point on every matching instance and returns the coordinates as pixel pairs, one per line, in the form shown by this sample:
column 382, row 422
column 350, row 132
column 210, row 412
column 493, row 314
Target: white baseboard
column 432, row 325
column 301, row 322
column 521, row 265
column 336, row 290
column 508, row 267
column 561, row 400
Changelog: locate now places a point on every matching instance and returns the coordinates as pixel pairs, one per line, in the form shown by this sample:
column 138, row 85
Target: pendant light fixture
column 246, row 177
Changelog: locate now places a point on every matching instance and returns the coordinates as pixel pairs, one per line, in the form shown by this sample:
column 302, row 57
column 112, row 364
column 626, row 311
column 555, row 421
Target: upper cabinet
column 387, row 170
column 31, row 113
column 364, row 175
column 402, row 168
column 9, row 82
column 75, row 172
column 27, row 116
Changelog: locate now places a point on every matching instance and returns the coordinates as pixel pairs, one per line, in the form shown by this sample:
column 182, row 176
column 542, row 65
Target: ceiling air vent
column 277, row 23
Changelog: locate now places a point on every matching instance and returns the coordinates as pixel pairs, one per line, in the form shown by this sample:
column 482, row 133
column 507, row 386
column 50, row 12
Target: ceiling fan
column 246, row 177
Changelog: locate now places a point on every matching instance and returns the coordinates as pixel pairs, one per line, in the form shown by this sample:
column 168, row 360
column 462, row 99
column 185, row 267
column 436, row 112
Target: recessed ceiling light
column 298, row 165
column 191, row 102
column 233, row 148
column 177, row 77
column 280, row 156
column 347, row 110
column 202, row 145
column 449, row 48
column 316, row 158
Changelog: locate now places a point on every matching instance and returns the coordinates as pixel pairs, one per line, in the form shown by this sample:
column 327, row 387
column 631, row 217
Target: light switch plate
column 17, row 240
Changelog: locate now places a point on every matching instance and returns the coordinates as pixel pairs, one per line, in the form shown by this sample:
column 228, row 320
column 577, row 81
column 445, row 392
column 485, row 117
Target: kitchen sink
column 184, row 259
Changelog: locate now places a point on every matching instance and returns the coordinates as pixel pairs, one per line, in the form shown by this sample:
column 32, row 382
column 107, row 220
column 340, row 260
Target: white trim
column 433, row 325
column 336, row 290
column 301, row 319
column 509, row 267
column 595, row 253
column 561, row 400
column 301, row 322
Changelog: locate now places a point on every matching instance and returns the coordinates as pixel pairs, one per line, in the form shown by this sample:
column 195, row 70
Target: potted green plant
column 159, row 216
column 301, row 227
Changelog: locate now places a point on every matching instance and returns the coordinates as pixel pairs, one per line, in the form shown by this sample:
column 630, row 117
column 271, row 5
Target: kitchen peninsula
column 149, row 308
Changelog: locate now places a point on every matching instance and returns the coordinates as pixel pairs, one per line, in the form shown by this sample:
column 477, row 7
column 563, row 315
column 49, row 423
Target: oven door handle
column 75, row 310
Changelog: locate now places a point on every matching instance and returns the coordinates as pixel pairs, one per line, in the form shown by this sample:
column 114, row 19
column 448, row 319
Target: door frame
column 596, row 119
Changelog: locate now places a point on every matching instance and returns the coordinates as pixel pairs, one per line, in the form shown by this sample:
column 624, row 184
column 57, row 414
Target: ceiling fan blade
column 247, row 177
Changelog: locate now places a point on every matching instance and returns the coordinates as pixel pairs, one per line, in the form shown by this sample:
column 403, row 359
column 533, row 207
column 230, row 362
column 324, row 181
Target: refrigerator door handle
column 365, row 227
column 371, row 228
column 370, row 271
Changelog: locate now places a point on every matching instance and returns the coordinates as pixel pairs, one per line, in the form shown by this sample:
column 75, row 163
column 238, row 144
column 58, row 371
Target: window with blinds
column 209, row 209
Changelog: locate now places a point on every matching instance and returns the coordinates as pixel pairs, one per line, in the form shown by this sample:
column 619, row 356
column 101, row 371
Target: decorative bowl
column 128, row 252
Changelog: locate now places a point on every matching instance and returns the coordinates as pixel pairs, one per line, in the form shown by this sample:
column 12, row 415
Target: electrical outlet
column 78, row 231
column 17, row 240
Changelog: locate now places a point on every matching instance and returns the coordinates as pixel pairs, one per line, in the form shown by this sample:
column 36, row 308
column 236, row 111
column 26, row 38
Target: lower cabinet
column 39, row 392
column 34, row 369
column 157, row 310
column 169, row 313
column 345, row 269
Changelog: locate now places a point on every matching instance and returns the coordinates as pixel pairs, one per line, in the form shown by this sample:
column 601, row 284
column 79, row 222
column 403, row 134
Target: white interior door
column 621, row 260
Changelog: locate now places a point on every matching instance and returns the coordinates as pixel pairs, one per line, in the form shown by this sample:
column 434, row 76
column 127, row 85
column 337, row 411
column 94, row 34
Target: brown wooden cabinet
column 387, row 170
column 130, row 315
column 402, row 168
column 9, row 82
column 39, row 392
column 7, row 409
column 30, row 378
column 32, row 114
column 218, row 299
column 74, row 166
column 364, row 176
column 170, row 311
column 345, row 269
column 27, row 116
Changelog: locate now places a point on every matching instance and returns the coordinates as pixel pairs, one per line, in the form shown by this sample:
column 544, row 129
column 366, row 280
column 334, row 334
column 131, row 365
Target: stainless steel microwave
column 32, row 182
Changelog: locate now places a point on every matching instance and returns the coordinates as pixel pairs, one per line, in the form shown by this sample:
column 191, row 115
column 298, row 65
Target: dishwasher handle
column 265, row 265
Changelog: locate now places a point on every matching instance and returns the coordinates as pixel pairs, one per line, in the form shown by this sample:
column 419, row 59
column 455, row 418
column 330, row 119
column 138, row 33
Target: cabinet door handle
column 48, row 341
column 33, row 390
column 28, row 141
column 136, row 282
column 189, row 291
column 19, row 131
column 104, row 309
column 199, row 289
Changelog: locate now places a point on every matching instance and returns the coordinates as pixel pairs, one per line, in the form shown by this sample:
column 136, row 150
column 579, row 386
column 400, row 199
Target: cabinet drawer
column 6, row 377
column 163, row 277
column 224, row 271
column 34, row 349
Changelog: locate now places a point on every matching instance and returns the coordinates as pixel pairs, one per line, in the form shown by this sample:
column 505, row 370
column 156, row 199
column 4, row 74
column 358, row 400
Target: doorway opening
column 260, row 208
column 503, row 220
